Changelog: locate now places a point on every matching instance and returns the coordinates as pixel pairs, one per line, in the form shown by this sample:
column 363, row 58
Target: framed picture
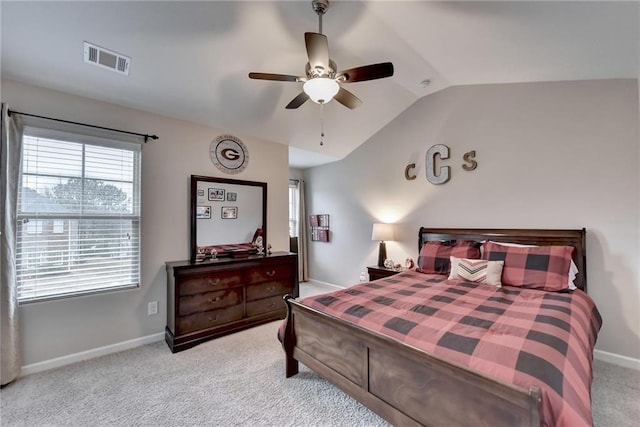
column 203, row 212
column 229, row 212
column 200, row 192
column 232, row 197
column 216, row 194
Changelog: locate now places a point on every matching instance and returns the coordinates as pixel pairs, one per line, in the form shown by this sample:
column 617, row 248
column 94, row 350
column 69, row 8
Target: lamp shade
column 321, row 89
column 382, row 232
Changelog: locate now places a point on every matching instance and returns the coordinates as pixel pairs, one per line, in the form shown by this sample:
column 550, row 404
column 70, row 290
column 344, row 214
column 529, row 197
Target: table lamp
column 382, row 232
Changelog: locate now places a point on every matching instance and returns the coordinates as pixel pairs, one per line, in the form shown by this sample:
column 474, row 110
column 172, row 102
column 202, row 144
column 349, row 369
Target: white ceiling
column 190, row 60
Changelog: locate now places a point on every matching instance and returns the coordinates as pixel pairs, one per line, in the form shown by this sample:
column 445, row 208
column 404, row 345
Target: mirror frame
column 194, row 202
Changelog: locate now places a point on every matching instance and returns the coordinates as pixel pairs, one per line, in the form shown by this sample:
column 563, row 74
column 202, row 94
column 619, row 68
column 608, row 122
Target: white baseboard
column 326, row 284
column 616, row 359
column 90, row 354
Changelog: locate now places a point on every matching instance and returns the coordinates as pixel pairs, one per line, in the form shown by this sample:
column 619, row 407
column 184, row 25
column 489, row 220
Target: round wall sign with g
column 229, row 154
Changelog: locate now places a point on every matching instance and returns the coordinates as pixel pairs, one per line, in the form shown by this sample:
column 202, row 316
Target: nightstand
column 376, row 272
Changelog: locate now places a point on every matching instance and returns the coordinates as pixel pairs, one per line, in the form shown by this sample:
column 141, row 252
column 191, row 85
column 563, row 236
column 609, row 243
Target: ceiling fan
column 322, row 81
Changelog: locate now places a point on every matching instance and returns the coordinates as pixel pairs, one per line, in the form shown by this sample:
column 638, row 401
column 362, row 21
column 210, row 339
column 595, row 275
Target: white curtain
column 10, row 358
column 303, row 266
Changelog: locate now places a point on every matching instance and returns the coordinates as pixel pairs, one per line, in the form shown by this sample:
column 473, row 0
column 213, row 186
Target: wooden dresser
column 209, row 299
column 376, row 272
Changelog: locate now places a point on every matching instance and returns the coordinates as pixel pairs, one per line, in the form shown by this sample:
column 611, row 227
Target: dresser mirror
column 227, row 215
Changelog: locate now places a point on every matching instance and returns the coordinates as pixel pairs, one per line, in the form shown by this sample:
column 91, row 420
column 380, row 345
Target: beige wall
column 295, row 173
column 550, row 155
column 58, row 328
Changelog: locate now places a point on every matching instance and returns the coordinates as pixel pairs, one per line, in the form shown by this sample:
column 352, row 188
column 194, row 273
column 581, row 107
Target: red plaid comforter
column 520, row 336
column 222, row 250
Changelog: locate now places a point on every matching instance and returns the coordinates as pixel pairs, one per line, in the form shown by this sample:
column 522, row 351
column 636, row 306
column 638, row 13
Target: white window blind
column 293, row 208
column 78, row 215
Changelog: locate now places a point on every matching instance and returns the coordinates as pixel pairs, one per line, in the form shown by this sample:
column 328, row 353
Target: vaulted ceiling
column 190, row 60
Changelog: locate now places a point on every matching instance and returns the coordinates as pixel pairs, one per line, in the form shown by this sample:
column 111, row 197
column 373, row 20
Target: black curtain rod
column 146, row 137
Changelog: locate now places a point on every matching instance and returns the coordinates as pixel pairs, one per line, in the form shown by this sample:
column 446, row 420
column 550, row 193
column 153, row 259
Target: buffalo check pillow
column 536, row 267
column 477, row 270
column 573, row 270
column 435, row 256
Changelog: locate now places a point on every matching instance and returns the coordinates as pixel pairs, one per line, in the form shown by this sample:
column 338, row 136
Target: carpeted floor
column 236, row 380
column 615, row 395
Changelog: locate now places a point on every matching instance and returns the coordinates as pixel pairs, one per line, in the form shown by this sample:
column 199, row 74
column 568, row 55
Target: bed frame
column 407, row 386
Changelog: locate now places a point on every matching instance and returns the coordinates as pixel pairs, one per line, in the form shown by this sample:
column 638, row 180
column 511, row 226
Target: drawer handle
column 271, row 304
column 271, row 288
column 212, row 318
column 214, row 300
column 271, row 273
column 213, row 282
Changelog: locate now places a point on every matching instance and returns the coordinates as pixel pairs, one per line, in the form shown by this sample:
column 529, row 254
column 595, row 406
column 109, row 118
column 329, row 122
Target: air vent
column 106, row 58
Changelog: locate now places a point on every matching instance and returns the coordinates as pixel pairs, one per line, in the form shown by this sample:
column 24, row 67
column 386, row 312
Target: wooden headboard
column 527, row 236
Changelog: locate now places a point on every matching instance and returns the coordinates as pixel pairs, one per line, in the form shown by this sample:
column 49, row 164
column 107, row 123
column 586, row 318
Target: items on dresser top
column 209, row 299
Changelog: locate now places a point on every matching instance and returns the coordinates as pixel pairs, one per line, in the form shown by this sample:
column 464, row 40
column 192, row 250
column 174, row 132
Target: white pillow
column 477, row 270
column 573, row 270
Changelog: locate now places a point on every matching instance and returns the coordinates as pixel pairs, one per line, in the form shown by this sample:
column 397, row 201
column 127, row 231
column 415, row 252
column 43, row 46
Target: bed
column 231, row 249
column 409, row 380
column 227, row 250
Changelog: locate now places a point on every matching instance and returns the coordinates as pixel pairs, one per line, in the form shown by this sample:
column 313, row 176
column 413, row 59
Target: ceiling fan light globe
column 321, row 89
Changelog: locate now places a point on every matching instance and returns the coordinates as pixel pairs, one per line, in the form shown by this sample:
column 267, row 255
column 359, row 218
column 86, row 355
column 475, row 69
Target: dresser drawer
column 190, row 304
column 207, row 319
column 197, row 284
column 270, row 272
column 268, row 289
column 266, row 305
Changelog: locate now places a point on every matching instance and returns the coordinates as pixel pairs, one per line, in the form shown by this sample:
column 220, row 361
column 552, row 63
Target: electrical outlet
column 152, row 308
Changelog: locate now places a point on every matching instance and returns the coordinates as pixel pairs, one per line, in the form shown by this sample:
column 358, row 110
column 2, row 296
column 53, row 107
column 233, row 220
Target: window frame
column 84, row 218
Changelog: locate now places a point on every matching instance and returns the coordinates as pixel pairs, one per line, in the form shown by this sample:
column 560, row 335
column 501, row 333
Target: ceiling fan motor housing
column 319, row 71
column 320, row 6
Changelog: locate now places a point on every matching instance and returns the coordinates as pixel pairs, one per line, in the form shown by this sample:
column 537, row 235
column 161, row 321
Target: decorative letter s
column 443, row 176
column 468, row 158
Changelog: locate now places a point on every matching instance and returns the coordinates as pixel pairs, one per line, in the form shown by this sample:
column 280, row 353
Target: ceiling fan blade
column 317, row 50
column 297, row 101
column 277, row 77
column 347, row 99
column 367, row 72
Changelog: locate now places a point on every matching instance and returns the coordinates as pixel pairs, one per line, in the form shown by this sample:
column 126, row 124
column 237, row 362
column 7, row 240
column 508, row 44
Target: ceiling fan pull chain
column 321, row 124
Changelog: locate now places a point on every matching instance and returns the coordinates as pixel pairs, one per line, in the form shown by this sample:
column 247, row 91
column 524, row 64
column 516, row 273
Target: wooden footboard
column 402, row 384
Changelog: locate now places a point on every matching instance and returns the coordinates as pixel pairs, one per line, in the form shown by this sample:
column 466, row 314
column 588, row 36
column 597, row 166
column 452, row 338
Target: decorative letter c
column 443, row 177
column 407, row 174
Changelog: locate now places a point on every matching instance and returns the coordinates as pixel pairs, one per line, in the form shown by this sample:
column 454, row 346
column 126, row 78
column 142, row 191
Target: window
column 78, row 215
column 293, row 208
column 58, row 226
column 34, row 227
